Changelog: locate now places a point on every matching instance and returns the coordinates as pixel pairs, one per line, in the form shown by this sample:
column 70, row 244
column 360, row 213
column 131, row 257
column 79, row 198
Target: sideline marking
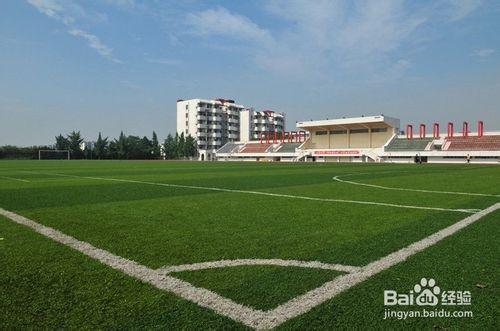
column 337, row 178
column 255, row 318
column 469, row 211
column 12, row 178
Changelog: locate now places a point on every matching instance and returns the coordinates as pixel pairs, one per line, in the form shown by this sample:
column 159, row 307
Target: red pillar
column 409, row 131
column 450, row 130
column 480, row 128
column 422, row 131
column 282, row 137
column 435, row 130
column 261, row 134
column 465, row 129
column 267, row 137
column 275, row 137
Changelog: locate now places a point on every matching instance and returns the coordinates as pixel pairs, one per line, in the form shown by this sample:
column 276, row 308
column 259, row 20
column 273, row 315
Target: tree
column 122, row 146
column 190, row 147
column 169, row 147
column 61, row 142
column 180, row 146
column 101, row 147
column 74, row 141
column 155, row 150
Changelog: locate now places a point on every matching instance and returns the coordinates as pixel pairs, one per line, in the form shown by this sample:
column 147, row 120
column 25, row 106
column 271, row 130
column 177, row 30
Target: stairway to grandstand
column 403, row 144
column 228, row 148
column 255, row 148
column 288, row 148
column 484, row 143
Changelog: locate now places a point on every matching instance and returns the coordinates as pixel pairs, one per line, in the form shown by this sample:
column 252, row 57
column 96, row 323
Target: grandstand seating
column 474, row 143
column 403, row 144
column 228, row 148
column 287, row 147
column 255, row 148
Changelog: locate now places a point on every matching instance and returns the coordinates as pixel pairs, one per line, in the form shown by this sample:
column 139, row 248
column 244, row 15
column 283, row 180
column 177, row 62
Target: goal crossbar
column 57, row 151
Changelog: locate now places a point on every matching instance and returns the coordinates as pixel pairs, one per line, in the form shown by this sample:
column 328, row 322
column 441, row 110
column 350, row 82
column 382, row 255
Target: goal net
column 51, row 154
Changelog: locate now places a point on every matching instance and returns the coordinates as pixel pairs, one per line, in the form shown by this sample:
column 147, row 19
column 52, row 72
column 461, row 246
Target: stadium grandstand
column 368, row 139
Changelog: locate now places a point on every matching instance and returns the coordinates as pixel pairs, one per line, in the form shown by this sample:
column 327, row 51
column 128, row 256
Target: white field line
column 18, row 179
column 200, row 296
column 251, row 317
column 337, row 178
column 303, row 303
column 217, row 189
column 240, row 262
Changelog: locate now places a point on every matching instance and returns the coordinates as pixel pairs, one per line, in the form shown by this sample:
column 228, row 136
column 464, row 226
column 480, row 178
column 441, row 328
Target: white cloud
column 310, row 36
column 65, row 11
column 94, row 42
column 220, row 21
column 53, row 9
column 484, row 52
column 459, row 9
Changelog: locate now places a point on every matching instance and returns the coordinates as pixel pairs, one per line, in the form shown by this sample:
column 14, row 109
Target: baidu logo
column 426, row 293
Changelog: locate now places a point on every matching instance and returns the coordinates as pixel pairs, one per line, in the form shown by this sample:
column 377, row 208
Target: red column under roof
column 435, row 130
column 409, row 131
column 450, row 130
column 465, row 129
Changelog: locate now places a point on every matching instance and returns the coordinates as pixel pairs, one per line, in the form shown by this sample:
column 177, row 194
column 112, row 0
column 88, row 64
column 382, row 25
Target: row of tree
column 15, row 152
column 125, row 147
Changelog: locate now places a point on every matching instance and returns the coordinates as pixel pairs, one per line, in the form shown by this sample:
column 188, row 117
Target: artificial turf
column 158, row 226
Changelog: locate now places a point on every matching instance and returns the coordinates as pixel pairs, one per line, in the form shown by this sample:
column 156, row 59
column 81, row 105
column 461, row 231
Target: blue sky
column 114, row 65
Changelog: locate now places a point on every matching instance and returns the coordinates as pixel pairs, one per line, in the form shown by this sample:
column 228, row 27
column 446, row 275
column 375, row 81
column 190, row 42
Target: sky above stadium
column 113, row 65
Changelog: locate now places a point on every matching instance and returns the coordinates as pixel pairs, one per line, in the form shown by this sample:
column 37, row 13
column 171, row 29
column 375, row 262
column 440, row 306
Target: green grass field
column 166, row 214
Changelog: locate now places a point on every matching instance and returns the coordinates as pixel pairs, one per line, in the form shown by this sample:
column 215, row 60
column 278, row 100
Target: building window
column 338, row 132
column 321, row 133
column 359, row 131
column 379, row 130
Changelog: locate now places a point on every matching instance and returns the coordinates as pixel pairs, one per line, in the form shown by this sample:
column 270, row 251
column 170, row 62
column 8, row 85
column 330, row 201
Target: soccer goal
column 53, row 154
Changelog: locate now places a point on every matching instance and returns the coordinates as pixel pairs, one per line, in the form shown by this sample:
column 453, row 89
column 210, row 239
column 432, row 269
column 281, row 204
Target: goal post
column 53, row 154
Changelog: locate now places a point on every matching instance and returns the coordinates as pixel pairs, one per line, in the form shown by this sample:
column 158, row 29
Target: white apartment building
column 212, row 122
column 216, row 122
column 266, row 121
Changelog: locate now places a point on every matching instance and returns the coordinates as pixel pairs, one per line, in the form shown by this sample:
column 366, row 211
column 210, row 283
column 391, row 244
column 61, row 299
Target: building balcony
column 233, row 112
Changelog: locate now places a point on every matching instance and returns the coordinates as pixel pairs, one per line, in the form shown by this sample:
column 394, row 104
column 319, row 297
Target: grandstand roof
column 351, row 123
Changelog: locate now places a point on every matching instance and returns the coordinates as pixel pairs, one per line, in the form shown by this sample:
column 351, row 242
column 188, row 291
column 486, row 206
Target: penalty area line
column 290, row 196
